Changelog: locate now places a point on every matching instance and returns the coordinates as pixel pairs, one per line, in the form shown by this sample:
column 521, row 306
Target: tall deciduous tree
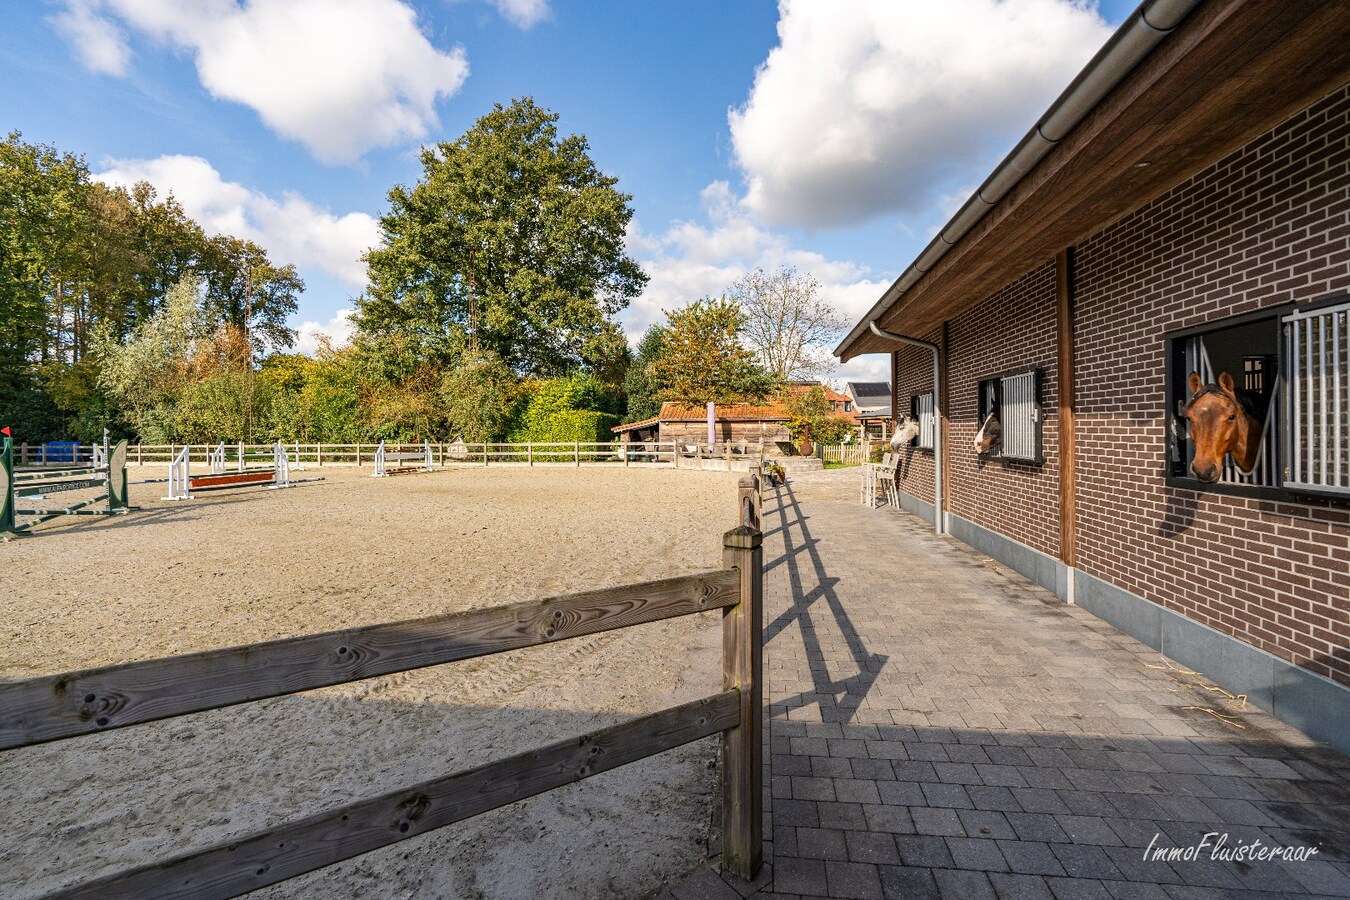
column 703, row 359
column 787, row 324
column 511, row 243
column 245, row 290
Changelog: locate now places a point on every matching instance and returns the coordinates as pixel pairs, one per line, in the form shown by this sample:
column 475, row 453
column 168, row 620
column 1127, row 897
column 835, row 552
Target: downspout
column 939, row 519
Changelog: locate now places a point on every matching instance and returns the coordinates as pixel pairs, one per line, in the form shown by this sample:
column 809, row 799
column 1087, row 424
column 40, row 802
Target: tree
column 245, row 290
column 42, row 212
column 511, row 244
column 148, row 373
column 811, row 417
column 788, row 326
column 703, row 360
column 481, row 398
column 639, row 385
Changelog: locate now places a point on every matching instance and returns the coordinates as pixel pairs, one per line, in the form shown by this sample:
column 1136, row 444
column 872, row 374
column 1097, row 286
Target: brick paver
column 941, row 727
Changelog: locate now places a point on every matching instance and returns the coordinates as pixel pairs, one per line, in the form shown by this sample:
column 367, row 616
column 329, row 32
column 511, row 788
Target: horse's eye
column 1233, row 417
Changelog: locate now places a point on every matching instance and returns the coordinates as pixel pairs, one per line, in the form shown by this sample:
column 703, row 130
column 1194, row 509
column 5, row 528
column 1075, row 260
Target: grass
column 837, row 464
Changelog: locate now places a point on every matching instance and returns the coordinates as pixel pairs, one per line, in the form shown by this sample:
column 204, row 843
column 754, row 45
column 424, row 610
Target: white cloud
column 340, row 78
column 291, row 229
column 690, row 260
column 523, row 13
column 336, row 332
column 877, row 109
column 100, row 44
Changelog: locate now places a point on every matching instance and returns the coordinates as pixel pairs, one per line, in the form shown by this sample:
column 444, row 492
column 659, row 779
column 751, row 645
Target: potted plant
column 775, row 472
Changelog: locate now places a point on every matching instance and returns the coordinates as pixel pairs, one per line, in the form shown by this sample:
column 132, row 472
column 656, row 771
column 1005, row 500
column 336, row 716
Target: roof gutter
column 939, row 520
column 1132, row 42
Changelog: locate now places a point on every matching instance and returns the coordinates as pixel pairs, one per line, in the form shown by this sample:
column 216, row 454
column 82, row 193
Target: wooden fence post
column 742, row 747
column 746, row 511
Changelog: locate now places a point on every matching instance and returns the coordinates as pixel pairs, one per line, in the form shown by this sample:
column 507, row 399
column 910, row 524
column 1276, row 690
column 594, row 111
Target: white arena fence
column 651, row 453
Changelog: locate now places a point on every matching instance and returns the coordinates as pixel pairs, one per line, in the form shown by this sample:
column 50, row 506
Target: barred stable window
column 1015, row 400
column 1317, row 413
column 921, row 408
column 1291, row 371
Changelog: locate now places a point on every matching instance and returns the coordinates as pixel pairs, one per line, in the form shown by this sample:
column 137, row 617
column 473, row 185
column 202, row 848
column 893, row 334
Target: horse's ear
column 1195, row 382
column 1226, row 382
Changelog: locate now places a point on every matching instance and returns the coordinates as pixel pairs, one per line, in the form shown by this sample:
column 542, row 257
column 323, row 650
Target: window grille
column 1017, row 400
column 1020, row 417
column 1318, row 400
column 922, row 409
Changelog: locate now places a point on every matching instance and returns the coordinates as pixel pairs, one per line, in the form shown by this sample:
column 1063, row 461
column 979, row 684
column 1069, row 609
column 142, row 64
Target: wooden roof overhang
column 1232, row 70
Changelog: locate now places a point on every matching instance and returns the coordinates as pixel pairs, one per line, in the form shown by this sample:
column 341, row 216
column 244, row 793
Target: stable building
column 1147, row 304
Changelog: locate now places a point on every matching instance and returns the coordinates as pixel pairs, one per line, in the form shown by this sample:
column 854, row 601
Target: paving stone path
column 941, row 727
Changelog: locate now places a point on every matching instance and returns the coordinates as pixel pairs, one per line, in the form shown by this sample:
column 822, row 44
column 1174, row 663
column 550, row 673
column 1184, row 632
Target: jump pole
column 182, row 482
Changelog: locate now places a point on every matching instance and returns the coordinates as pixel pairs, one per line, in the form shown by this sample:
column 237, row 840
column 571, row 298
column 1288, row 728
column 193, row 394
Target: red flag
column 5, row 431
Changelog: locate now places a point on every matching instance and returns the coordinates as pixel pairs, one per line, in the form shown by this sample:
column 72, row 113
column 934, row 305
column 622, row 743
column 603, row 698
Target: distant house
column 871, row 406
column 734, row 423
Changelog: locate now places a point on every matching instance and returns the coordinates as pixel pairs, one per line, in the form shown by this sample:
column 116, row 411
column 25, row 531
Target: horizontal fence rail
column 326, row 838
column 443, row 454
column 95, row 700
column 237, row 455
column 75, row 703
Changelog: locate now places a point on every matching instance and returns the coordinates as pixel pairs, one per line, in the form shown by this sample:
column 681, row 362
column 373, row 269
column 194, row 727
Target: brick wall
column 1013, row 329
column 1267, row 225
column 912, row 374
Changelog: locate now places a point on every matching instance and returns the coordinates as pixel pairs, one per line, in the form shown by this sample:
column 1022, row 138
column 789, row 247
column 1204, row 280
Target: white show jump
column 384, row 457
column 182, row 483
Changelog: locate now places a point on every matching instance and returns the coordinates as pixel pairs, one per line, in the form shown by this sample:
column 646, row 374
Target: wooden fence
column 850, row 454
column 60, row 707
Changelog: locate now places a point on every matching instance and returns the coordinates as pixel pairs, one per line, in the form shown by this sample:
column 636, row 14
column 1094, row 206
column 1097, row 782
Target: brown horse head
column 1219, row 425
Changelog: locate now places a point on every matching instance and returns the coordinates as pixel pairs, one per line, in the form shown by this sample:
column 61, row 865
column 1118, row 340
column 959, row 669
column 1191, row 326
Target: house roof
column 728, row 412
column 770, row 411
column 724, row 412
column 871, row 396
column 1226, row 73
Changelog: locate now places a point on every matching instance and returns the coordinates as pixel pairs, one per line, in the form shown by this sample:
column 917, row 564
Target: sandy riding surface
column 246, row 565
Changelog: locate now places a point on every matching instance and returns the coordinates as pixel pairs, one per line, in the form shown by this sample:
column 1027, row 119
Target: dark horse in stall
column 990, row 436
column 1222, row 421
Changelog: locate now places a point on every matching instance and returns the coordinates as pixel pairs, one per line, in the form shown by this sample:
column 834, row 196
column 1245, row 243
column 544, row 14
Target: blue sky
column 835, row 137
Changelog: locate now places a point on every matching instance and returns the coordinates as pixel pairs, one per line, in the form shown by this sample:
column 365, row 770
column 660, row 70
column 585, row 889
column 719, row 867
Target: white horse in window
column 906, row 430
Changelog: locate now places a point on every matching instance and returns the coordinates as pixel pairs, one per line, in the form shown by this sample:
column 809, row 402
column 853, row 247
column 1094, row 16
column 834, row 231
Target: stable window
column 1290, row 373
column 921, row 408
column 1014, row 399
column 1317, row 417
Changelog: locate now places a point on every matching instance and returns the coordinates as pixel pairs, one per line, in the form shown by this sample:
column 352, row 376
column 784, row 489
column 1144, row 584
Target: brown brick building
column 1185, row 206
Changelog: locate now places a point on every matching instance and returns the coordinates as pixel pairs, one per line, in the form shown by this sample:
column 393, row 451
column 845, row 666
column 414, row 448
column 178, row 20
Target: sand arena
column 246, row 565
